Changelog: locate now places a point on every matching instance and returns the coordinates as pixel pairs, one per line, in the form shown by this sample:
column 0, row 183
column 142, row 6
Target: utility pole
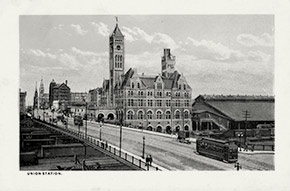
column 100, row 130
column 246, row 115
column 86, row 120
column 143, row 151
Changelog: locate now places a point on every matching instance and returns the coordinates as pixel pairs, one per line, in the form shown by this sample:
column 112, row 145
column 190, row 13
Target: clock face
column 118, row 47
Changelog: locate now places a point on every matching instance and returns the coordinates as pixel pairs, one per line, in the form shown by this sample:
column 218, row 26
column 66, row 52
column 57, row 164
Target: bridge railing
column 111, row 148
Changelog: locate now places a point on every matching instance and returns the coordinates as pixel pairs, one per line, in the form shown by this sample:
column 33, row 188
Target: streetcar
column 224, row 150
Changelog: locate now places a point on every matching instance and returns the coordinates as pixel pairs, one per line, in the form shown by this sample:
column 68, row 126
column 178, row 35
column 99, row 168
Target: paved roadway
column 169, row 153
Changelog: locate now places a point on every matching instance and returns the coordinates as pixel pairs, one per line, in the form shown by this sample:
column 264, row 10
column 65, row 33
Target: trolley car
column 223, row 150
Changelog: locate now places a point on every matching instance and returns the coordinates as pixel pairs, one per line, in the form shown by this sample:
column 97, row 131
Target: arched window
column 185, row 115
column 179, row 87
column 121, row 58
column 186, row 128
column 149, row 114
column 184, row 86
column 167, row 115
column 130, row 115
column 132, row 84
column 121, row 65
column 159, row 114
column 116, row 58
column 140, row 115
column 177, row 115
column 138, row 85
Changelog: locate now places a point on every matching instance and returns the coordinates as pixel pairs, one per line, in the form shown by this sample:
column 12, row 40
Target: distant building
column 43, row 98
column 35, row 99
column 22, row 102
column 59, row 92
column 219, row 112
column 159, row 102
column 79, row 96
column 94, row 96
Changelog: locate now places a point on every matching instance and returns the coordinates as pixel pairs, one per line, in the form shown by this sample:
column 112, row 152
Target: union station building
column 159, row 102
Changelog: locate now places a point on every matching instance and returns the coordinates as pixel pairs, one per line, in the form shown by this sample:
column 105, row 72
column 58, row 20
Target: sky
column 218, row 54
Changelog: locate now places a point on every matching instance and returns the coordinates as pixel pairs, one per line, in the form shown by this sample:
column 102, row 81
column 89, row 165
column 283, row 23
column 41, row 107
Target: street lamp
column 240, row 135
column 143, row 150
column 100, row 130
column 121, row 122
column 86, row 119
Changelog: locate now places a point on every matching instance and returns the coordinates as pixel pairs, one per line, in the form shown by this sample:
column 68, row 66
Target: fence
column 112, row 149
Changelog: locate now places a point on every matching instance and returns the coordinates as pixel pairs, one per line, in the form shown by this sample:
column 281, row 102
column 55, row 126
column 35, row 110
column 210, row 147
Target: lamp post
column 100, row 130
column 121, row 122
column 86, row 119
column 240, row 134
column 86, row 127
column 143, row 150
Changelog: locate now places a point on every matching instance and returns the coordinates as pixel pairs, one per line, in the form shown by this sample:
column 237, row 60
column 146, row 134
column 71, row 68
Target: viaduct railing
column 102, row 146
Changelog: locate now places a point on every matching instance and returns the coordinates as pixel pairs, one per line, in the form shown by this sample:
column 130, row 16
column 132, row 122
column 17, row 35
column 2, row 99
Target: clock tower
column 117, row 60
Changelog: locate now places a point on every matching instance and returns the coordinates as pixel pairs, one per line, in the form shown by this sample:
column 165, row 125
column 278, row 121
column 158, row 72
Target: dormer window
column 159, row 85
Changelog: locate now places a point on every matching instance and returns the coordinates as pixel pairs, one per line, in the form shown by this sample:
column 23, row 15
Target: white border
column 12, row 179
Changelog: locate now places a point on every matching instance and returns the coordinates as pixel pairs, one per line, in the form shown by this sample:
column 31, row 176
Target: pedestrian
column 147, row 160
column 106, row 144
column 150, row 160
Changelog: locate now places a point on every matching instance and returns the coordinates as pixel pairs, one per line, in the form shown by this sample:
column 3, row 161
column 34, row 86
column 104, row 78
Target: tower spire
column 117, row 21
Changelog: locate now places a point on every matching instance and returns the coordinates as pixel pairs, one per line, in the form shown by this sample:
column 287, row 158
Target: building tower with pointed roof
column 41, row 94
column 35, row 99
column 167, row 63
column 117, row 60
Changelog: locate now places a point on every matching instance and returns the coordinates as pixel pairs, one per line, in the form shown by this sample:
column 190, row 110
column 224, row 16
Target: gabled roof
column 126, row 78
column 148, row 81
column 57, row 86
column 260, row 108
column 117, row 32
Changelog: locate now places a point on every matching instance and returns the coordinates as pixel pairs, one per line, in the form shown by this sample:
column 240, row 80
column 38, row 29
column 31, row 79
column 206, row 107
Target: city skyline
column 226, row 54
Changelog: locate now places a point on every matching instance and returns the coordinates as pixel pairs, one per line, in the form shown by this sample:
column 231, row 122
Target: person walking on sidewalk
column 150, row 160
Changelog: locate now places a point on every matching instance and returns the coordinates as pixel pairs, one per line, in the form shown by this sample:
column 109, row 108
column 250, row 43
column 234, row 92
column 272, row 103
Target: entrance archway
column 149, row 128
column 110, row 116
column 168, row 130
column 177, row 129
column 159, row 129
column 100, row 117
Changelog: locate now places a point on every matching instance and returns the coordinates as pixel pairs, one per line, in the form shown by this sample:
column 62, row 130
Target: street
column 169, row 153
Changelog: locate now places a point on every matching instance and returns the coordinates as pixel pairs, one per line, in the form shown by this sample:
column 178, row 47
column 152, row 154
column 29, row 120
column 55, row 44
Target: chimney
column 143, row 74
column 166, row 52
column 65, row 82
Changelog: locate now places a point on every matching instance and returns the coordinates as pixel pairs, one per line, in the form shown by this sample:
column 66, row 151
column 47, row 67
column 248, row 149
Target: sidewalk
column 250, row 152
column 138, row 130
